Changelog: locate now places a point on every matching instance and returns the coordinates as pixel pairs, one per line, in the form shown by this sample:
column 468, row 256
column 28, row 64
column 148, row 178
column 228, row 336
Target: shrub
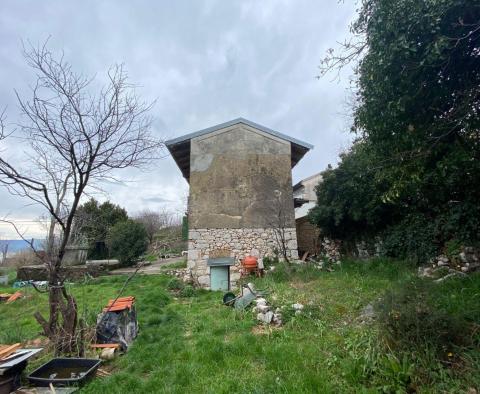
column 127, row 241
column 23, row 258
column 412, row 238
column 187, row 291
column 175, row 284
column 410, row 320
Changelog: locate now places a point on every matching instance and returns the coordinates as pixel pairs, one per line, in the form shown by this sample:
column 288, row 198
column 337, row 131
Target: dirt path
column 153, row 269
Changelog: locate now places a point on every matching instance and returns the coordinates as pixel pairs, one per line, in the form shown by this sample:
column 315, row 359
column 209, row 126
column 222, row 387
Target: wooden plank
column 14, row 297
column 9, row 350
column 105, row 345
column 122, row 299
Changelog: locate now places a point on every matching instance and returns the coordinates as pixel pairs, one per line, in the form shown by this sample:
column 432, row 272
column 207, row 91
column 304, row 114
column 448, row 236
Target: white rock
column 298, row 312
column 263, row 308
column 277, row 319
column 267, row 317
column 297, row 307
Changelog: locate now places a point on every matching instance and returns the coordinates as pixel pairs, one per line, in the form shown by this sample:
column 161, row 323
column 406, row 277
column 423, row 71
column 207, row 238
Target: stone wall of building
column 236, row 243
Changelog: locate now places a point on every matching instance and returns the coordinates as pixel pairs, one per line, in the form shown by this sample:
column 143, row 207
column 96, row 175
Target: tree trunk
column 61, row 327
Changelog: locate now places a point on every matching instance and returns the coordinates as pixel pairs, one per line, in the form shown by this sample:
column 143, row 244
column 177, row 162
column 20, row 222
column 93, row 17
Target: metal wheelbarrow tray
column 64, row 371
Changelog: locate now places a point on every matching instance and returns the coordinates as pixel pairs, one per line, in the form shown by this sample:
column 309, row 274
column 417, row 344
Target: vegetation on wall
column 413, row 175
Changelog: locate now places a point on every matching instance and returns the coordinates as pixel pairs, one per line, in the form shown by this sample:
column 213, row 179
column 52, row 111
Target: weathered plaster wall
column 237, row 243
column 240, row 177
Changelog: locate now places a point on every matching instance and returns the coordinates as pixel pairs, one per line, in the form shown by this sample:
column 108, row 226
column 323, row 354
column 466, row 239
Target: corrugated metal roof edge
column 247, row 122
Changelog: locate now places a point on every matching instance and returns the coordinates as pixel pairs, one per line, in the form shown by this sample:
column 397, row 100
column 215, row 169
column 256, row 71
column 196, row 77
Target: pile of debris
column 13, row 361
column 117, row 324
column 327, row 257
column 331, row 250
column 265, row 314
column 443, row 267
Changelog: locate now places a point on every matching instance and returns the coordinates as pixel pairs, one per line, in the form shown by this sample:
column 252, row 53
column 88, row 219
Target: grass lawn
column 197, row 345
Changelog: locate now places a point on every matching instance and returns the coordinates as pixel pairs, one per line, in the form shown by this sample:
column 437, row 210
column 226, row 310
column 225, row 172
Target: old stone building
column 240, row 196
column 305, row 198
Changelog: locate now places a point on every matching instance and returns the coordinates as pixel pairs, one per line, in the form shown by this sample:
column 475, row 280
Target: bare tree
column 152, row 221
column 156, row 221
column 4, row 251
column 76, row 140
column 281, row 221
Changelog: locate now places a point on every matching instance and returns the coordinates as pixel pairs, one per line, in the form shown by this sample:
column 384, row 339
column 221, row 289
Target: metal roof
column 180, row 147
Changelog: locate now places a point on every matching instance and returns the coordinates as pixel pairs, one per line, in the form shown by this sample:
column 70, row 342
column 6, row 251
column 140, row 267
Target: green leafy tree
column 93, row 222
column 127, row 241
column 349, row 198
column 417, row 109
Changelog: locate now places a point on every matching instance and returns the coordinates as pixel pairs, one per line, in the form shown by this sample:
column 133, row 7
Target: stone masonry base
column 236, row 243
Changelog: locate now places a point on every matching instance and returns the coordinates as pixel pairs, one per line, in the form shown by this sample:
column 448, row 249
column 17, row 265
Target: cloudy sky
column 204, row 62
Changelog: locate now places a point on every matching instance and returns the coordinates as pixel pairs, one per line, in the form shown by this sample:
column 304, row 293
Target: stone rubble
column 443, row 267
column 328, row 256
column 265, row 314
column 367, row 314
column 331, row 250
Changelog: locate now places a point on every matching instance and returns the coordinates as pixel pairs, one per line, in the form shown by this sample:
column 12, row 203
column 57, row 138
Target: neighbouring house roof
column 180, row 147
column 299, row 184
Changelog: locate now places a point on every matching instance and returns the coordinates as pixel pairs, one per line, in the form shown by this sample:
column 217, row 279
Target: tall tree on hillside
column 77, row 138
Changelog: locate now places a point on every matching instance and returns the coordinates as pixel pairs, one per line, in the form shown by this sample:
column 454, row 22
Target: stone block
column 194, row 235
column 234, row 276
column 292, row 244
column 193, row 254
column 204, row 280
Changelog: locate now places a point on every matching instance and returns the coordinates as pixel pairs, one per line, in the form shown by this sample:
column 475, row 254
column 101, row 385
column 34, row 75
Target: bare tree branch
column 76, row 139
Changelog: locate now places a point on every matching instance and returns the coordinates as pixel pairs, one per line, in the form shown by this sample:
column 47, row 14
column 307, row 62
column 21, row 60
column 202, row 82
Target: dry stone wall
column 237, row 243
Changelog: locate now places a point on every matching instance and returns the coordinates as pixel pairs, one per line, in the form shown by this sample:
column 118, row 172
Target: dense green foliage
column 413, row 175
column 92, row 224
column 127, row 241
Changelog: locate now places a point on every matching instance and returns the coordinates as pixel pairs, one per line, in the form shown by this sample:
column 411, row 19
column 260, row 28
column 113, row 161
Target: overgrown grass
column 195, row 344
column 176, row 265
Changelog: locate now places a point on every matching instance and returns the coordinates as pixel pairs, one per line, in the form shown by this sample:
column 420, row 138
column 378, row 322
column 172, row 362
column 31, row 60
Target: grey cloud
column 204, row 62
column 157, row 200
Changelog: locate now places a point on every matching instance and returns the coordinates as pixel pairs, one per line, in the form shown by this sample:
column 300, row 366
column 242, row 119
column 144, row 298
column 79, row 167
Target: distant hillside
column 17, row 245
